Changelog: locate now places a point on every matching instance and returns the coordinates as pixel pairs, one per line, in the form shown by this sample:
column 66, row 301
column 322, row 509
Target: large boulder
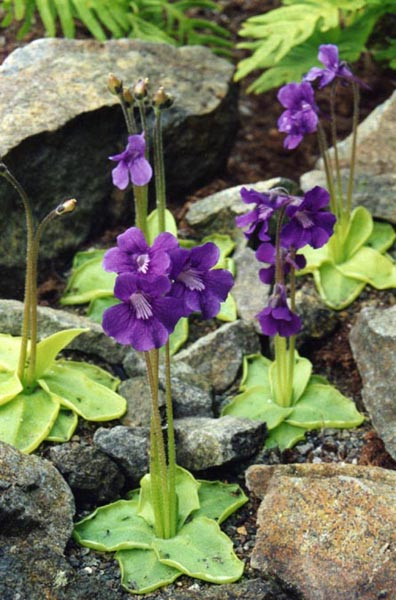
column 36, row 522
column 326, row 531
column 59, row 124
column 373, row 342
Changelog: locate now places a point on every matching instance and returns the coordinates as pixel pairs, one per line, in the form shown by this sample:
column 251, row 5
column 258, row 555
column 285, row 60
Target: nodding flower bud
column 161, row 99
column 114, row 84
column 141, row 89
column 128, row 98
column 66, row 207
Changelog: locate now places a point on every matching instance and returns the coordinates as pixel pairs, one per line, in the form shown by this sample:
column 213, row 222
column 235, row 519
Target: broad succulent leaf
column 27, row 419
column 142, row 572
column 78, row 392
column 201, row 550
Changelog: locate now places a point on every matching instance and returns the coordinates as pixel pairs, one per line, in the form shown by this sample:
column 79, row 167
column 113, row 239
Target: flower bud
column 66, row 206
column 161, row 99
column 140, row 89
column 128, row 98
column 114, row 84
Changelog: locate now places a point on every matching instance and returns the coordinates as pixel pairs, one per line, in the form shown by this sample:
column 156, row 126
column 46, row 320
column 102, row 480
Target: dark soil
column 258, row 154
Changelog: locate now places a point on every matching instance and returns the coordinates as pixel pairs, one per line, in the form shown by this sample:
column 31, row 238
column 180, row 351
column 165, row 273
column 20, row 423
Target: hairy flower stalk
column 161, row 101
column 32, row 260
column 26, row 369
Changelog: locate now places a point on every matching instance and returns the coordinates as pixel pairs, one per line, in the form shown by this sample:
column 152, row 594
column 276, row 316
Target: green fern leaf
column 19, row 9
column 104, row 14
column 65, row 17
column 88, row 18
column 47, row 16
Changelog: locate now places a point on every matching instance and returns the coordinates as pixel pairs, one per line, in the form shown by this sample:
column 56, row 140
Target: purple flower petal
column 120, row 176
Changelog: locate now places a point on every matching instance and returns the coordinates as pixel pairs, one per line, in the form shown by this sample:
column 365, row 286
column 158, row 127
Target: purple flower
column 328, row 56
column 134, row 255
column 258, row 218
column 132, row 164
column 277, row 316
column 308, row 223
column 267, row 253
column 145, row 317
column 301, row 115
column 199, row 287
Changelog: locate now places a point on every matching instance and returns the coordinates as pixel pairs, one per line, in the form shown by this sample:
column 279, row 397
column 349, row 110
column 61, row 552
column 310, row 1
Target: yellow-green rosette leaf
column 285, row 436
column 89, row 281
column 218, row 500
column 201, row 550
column 255, row 371
column 323, row 405
column 10, row 385
column 256, row 403
column 10, row 347
column 360, row 228
column 78, row 392
column 142, row 572
column 49, row 348
column 64, row 427
column 27, row 419
column 113, row 527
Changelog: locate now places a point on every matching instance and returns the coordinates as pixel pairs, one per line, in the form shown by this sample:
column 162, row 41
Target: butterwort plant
column 41, row 397
column 284, row 393
column 355, row 254
column 170, row 525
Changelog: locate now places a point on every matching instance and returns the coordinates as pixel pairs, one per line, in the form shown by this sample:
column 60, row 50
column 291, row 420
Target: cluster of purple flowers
column 303, row 222
column 159, row 284
column 301, row 114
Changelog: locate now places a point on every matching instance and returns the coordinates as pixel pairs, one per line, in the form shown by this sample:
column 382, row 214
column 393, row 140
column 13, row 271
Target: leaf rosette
column 315, row 402
column 61, row 391
column 340, row 275
column 199, row 549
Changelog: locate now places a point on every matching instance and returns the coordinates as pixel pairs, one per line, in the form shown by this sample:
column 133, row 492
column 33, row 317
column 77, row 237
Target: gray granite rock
column 93, row 342
column 218, row 356
column 127, row 446
column 247, row 281
column 36, row 504
column 318, row 320
column 202, row 443
column 376, row 141
column 90, row 473
column 59, row 118
column 36, row 517
column 374, row 192
column 326, row 531
column 34, row 573
column 373, row 342
column 136, row 392
column 216, row 213
column 189, row 400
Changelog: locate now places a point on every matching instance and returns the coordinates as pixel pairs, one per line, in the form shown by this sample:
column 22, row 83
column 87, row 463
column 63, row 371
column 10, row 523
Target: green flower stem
column 140, row 193
column 6, row 173
column 281, row 362
column 129, row 116
column 159, row 169
column 327, row 166
column 171, row 445
column 333, row 119
column 143, row 120
column 160, row 492
column 355, row 123
column 32, row 261
column 292, row 339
